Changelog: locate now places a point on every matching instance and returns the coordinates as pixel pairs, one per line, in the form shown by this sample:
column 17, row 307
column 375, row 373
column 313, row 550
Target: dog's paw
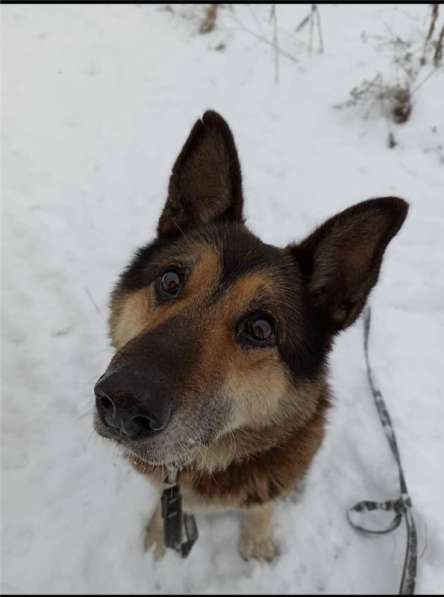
column 154, row 539
column 264, row 549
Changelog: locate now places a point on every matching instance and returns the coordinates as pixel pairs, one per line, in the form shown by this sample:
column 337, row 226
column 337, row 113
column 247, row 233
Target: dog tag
column 176, row 523
column 172, row 517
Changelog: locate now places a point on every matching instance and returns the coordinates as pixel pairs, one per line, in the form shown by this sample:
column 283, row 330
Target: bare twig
column 273, row 17
column 263, row 38
column 313, row 18
column 437, row 57
column 433, row 18
column 256, row 20
column 435, row 12
column 310, row 43
column 91, row 298
column 318, row 21
column 426, row 78
column 302, row 23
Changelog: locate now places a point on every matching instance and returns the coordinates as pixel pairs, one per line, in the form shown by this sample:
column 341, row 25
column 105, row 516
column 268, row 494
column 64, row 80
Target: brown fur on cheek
column 256, row 384
column 258, row 466
column 253, row 379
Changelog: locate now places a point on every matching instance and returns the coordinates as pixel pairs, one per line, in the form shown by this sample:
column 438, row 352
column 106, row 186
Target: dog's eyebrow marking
column 138, row 311
column 250, row 291
column 133, row 309
column 204, row 273
column 244, row 255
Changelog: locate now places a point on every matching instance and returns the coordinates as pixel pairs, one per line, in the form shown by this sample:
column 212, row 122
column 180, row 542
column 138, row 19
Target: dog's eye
column 258, row 330
column 170, row 284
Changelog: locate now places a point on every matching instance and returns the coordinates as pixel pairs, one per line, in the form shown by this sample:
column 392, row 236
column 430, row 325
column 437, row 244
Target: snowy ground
column 97, row 102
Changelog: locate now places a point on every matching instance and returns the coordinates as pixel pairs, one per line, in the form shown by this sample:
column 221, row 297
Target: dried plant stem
column 318, row 21
column 433, row 19
column 313, row 19
column 426, row 78
column 302, row 24
column 264, row 39
column 310, row 39
column 437, row 57
column 209, row 22
column 91, row 298
column 273, row 16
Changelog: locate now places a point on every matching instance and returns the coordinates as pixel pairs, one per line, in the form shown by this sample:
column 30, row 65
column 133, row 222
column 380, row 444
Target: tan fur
column 135, row 312
column 256, row 540
column 154, row 534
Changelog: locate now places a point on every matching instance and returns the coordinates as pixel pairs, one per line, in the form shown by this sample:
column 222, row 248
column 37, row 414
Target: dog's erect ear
column 205, row 183
column 341, row 259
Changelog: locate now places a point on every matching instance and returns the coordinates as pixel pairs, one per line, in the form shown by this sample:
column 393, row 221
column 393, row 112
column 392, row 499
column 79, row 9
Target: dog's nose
column 131, row 409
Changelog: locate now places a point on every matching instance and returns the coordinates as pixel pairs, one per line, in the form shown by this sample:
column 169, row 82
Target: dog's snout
column 132, row 405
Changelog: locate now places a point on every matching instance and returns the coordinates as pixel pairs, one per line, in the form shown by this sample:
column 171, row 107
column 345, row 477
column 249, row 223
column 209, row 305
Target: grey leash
column 402, row 505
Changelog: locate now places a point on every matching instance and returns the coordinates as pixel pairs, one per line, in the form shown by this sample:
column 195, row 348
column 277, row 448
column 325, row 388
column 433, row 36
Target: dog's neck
column 238, row 474
column 244, row 443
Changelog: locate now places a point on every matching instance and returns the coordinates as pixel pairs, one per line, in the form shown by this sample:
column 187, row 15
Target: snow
column 97, row 102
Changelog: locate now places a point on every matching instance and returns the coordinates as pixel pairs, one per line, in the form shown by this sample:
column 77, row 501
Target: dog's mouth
column 170, row 448
column 175, row 462
column 190, row 432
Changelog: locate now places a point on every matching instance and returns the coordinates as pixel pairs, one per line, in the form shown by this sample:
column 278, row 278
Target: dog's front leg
column 154, row 534
column 256, row 540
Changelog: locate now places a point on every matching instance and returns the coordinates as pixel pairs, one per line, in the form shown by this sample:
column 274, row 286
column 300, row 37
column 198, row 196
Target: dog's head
column 217, row 332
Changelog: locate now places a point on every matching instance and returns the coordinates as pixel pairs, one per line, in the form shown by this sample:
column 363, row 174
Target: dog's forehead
column 238, row 251
column 222, row 254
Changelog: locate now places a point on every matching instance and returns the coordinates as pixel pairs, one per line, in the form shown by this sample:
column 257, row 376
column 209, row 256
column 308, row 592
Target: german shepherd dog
column 222, row 341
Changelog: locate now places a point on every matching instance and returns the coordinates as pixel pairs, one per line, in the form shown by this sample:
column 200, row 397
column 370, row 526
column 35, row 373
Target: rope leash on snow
column 402, row 505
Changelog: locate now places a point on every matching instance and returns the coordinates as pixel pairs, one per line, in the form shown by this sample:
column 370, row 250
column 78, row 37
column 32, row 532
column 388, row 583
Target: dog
column 220, row 369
